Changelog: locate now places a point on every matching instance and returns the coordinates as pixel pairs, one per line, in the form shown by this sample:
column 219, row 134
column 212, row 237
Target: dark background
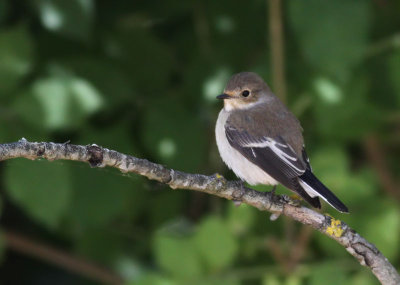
column 141, row 77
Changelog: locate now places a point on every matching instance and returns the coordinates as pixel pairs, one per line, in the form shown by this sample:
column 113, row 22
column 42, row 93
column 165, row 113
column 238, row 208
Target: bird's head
column 244, row 90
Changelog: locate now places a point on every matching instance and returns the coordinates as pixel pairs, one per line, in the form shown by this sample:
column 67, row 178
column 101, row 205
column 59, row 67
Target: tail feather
column 315, row 188
column 313, row 201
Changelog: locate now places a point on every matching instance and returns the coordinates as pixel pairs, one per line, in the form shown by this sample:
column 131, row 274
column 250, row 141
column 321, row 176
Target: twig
column 366, row 253
column 277, row 48
column 277, row 252
column 376, row 156
column 62, row 259
column 297, row 251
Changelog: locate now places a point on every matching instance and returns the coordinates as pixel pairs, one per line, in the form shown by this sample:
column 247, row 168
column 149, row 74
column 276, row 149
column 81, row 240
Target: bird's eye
column 245, row 93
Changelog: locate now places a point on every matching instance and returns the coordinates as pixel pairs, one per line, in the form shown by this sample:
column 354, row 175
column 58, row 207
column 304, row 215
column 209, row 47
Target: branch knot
column 95, row 155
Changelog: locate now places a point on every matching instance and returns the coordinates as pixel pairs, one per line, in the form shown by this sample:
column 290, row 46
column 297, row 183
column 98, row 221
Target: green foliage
column 45, row 191
column 394, row 69
column 70, row 18
column 172, row 144
column 216, row 244
column 141, row 78
column 101, row 196
column 178, row 256
column 16, row 57
column 328, row 274
column 339, row 41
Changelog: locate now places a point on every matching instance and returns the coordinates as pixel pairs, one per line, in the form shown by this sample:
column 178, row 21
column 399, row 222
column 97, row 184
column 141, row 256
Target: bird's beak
column 224, row 96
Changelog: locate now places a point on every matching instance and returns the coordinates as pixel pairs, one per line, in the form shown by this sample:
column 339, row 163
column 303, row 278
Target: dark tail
column 314, row 187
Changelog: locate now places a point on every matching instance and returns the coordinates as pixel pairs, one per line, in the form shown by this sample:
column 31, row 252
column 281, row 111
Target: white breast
column 242, row 167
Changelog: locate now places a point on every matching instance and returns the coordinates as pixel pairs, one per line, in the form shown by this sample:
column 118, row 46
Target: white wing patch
column 274, row 146
column 310, row 191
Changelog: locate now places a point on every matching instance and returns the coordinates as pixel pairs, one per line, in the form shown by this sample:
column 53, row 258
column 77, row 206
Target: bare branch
column 366, row 253
column 69, row 262
column 277, row 47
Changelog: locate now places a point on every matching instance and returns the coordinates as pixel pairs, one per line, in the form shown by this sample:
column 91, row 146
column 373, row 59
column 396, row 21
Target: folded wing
column 275, row 157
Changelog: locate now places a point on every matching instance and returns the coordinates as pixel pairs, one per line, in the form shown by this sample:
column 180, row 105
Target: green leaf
column 16, row 57
column 147, row 59
column 62, row 101
column 338, row 108
column 4, row 7
column 271, row 279
column 394, row 73
column 102, row 246
column 170, row 204
column 73, row 18
column 174, row 135
column 102, row 195
column 153, row 279
column 241, row 219
column 53, row 96
column 106, row 137
column 105, row 76
column 177, row 255
column 216, row 243
column 331, row 166
column 85, row 95
column 327, row 274
column 332, row 34
column 382, row 227
column 364, row 278
column 41, row 188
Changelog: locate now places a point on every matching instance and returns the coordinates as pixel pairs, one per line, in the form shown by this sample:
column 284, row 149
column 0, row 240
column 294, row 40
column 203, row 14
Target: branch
column 69, row 262
column 377, row 157
column 366, row 253
column 277, row 47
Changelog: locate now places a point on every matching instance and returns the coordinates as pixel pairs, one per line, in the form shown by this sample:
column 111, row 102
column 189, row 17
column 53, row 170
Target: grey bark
column 365, row 252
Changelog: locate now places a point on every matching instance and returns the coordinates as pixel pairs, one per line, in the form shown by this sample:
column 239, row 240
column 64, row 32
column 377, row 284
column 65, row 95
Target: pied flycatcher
column 262, row 142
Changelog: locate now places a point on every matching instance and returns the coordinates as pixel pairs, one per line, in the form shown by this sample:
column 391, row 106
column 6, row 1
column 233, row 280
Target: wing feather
column 270, row 154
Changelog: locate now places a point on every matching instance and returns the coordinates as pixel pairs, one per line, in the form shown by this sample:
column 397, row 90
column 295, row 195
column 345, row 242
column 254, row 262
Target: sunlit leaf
column 73, row 18
column 177, row 255
column 105, row 76
column 241, row 218
column 153, row 279
column 271, row 279
column 65, row 101
column 216, row 243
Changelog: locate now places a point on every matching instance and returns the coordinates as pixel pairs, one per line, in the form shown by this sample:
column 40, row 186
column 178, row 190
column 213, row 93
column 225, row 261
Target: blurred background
column 141, row 77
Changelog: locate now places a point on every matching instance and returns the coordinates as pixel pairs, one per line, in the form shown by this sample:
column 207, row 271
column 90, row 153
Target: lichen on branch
column 366, row 253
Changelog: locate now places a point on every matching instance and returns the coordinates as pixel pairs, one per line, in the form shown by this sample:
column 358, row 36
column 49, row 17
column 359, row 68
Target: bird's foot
column 293, row 200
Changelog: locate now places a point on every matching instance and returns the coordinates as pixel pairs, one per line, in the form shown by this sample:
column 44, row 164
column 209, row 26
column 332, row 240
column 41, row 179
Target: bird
column 262, row 141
